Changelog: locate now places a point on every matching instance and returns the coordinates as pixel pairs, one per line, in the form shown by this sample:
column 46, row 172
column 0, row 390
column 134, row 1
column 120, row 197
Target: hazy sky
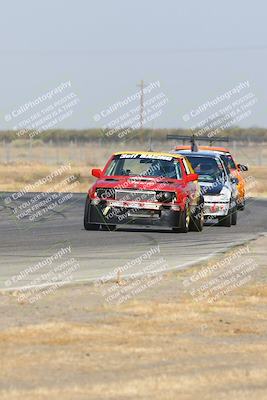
column 197, row 50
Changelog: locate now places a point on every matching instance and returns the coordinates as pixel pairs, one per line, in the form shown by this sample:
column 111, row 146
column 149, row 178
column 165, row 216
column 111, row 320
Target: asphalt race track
column 24, row 244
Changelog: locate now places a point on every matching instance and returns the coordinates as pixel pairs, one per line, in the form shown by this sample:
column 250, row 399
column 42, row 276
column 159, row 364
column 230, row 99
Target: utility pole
column 141, row 85
column 141, row 118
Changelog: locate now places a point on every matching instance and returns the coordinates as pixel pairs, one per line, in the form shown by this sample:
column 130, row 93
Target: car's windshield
column 144, row 165
column 209, row 169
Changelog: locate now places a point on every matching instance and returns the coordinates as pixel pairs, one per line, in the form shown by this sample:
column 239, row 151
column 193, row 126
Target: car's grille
column 105, row 193
column 135, row 195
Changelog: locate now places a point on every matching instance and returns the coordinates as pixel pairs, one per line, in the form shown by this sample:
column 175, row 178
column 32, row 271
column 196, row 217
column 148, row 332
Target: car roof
column 203, row 153
column 150, row 153
column 211, row 148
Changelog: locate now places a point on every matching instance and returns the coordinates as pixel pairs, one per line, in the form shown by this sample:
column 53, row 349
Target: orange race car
column 236, row 169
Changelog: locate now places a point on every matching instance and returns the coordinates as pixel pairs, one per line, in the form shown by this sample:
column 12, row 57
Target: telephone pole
column 141, row 85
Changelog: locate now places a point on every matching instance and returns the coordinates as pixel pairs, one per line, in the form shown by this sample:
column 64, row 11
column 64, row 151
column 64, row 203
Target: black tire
column 197, row 219
column 86, row 224
column 241, row 206
column 185, row 220
column 234, row 216
column 226, row 220
column 108, row 227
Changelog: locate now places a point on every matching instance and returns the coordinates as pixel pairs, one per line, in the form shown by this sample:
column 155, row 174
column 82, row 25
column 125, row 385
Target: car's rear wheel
column 86, row 223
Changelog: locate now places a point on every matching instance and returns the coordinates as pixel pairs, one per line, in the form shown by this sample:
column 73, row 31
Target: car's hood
column 211, row 188
column 137, row 183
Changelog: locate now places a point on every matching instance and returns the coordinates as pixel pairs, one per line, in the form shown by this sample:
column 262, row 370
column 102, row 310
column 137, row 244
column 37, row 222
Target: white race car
column 218, row 186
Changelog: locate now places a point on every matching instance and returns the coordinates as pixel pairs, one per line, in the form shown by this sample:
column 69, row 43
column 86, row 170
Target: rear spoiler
column 193, row 139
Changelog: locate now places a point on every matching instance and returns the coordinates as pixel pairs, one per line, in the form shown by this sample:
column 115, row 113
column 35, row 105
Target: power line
column 145, row 51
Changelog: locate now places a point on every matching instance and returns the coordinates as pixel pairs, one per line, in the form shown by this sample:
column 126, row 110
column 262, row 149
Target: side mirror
column 242, row 167
column 96, row 172
column 234, row 180
column 191, row 177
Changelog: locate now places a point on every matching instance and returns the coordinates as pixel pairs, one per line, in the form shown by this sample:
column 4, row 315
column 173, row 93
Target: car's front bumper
column 215, row 209
column 149, row 214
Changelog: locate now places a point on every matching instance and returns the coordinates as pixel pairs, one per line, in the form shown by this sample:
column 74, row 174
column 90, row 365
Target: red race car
column 145, row 188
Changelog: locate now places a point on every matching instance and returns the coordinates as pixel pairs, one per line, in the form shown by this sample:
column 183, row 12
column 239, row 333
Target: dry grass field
column 96, row 153
column 259, row 173
column 20, row 165
column 14, row 177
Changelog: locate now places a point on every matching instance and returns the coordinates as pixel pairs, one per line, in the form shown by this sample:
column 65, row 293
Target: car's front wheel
column 108, row 227
column 241, row 205
column 197, row 219
column 234, row 216
column 226, row 220
column 185, row 221
column 86, row 222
